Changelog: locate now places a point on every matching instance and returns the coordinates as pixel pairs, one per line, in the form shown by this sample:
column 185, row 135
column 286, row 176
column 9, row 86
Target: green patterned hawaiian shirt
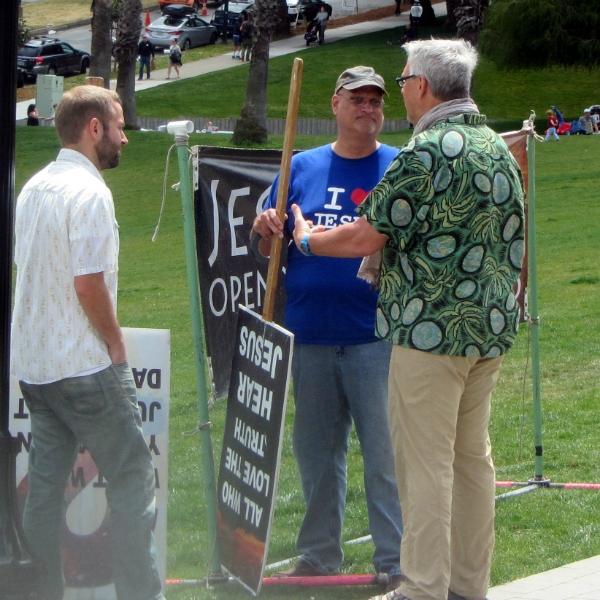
column 451, row 205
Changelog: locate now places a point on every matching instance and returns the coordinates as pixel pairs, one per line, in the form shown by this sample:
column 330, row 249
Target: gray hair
column 447, row 65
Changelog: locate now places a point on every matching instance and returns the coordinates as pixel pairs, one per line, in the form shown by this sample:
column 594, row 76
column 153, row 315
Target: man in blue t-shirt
column 340, row 368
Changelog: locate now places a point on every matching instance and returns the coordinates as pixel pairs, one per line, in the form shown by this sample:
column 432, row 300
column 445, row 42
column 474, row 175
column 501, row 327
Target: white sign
column 85, row 539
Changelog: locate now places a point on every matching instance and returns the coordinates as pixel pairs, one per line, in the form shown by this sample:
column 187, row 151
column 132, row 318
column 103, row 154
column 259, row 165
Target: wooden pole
column 282, row 191
column 97, row 81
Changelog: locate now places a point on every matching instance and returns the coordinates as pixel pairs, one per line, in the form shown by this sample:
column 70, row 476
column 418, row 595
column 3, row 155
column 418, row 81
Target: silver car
column 189, row 31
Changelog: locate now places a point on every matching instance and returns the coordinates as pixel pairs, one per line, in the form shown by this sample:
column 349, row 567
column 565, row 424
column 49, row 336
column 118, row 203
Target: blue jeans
column 333, row 386
column 551, row 131
column 99, row 411
column 145, row 62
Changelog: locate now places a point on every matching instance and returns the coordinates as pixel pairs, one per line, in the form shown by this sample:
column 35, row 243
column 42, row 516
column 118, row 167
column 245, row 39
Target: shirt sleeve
column 93, row 235
column 399, row 204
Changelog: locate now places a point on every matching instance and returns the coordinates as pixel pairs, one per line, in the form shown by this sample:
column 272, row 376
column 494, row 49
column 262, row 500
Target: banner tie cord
column 164, row 191
column 199, row 427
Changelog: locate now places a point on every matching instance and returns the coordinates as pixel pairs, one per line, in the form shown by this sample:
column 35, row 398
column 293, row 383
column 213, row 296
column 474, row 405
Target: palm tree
column 101, row 40
column 252, row 124
column 126, row 49
column 469, row 18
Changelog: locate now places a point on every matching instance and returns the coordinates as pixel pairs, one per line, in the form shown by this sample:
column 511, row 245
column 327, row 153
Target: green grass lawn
column 501, row 95
column 535, row 532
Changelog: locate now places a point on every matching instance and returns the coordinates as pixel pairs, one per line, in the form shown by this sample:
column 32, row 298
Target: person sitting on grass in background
column 33, row 118
column 552, row 126
column 174, row 58
column 589, row 122
column 409, row 36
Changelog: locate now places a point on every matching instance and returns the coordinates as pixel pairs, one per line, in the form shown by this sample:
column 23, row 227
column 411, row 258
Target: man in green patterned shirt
column 448, row 220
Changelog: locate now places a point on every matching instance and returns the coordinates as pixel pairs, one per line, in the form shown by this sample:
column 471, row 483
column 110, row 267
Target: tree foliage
column 24, row 32
column 541, row 33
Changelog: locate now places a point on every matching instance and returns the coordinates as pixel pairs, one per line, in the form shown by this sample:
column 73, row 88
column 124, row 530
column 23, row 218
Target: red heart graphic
column 358, row 195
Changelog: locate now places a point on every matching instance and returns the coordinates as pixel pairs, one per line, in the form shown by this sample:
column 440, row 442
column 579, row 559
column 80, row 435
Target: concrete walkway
column 577, row 581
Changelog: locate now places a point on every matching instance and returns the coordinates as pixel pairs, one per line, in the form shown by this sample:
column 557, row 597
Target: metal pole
column 534, row 322
column 19, row 575
column 180, row 129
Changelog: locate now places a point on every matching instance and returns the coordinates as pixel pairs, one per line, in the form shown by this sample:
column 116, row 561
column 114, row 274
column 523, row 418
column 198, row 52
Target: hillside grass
column 535, row 532
column 501, row 95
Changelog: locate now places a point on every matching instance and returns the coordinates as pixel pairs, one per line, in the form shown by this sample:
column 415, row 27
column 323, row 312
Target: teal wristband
column 304, row 247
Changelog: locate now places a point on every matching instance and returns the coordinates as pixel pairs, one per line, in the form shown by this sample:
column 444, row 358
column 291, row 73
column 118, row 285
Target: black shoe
column 394, row 582
column 139, row 78
column 302, row 569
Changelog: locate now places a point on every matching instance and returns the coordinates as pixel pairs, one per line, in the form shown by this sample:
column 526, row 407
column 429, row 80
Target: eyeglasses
column 360, row 101
column 402, row 80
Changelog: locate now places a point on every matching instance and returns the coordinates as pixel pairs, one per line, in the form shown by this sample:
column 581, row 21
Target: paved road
column 80, row 37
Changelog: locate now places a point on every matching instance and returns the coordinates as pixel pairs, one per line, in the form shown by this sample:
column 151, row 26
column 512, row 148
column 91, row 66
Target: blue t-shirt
column 326, row 302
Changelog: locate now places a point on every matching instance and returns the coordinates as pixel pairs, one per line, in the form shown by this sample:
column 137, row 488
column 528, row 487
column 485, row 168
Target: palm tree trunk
column 251, row 127
column 126, row 50
column 252, row 124
column 101, row 42
column 469, row 19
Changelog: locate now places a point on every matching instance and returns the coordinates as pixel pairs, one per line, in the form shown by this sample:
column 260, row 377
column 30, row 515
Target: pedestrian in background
column 322, row 18
column 552, row 126
column 237, row 38
column 146, row 53
column 247, row 31
column 174, row 58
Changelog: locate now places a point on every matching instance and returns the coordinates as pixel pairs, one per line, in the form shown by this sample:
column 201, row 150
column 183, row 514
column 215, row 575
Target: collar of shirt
column 72, row 156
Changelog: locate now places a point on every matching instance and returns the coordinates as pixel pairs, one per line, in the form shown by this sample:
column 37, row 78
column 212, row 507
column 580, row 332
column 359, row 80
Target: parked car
column 50, row 56
column 235, row 10
column 190, row 31
column 193, row 4
column 306, row 9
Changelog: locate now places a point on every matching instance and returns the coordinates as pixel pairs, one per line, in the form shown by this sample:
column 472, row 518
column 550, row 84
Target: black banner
column 249, row 467
column 232, row 187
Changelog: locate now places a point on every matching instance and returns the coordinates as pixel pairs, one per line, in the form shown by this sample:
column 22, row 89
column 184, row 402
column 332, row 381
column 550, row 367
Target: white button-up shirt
column 64, row 226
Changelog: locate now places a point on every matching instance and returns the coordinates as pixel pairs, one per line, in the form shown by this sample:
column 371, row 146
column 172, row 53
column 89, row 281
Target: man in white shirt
column 68, row 350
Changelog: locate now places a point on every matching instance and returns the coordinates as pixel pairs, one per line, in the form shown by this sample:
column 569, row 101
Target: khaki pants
column 439, row 410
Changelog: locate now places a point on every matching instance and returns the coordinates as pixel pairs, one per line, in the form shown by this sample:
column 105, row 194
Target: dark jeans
column 99, row 411
column 145, row 62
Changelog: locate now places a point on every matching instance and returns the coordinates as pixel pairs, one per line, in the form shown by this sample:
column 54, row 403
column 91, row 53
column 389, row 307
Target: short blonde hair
column 79, row 106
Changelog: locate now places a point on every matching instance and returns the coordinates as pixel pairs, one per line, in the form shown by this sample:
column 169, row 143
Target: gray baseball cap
column 358, row 77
